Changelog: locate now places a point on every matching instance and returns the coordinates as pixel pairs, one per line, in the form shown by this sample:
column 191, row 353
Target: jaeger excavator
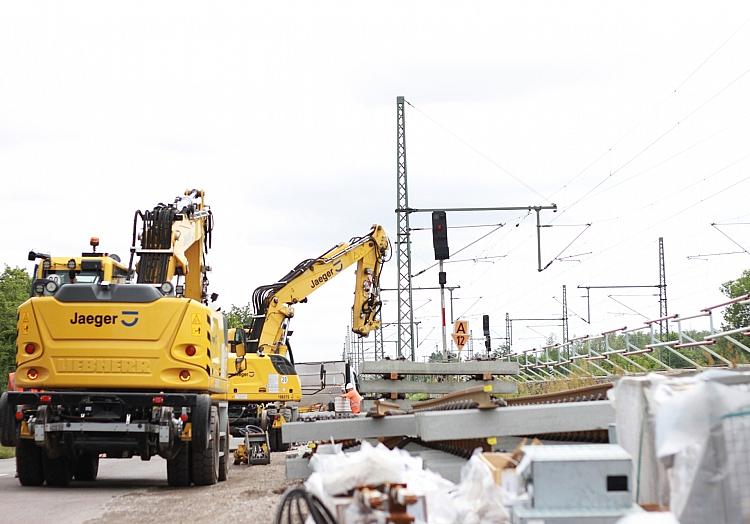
column 262, row 374
column 120, row 368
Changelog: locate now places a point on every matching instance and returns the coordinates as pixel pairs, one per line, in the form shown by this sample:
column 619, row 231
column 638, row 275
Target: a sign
column 460, row 340
column 460, row 333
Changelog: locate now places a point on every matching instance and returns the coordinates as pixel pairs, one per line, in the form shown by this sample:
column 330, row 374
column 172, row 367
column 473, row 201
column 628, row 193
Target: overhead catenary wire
column 480, row 153
column 733, row 241
column 460, row 250
column 672, row 93
column 663, row 162
column 655, row 141
column 457, row 227
column 566, row 247
column 655, row 224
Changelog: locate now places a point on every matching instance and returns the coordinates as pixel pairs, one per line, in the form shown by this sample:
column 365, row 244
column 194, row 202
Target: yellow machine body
column 120, row 345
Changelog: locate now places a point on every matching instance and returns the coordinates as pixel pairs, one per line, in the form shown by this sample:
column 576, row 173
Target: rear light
column 190, row 351
column 32, row 374
column 184, row 375
column 19, row 414
column 45, row 399
column 184, row 417
column 29, row 348
column 157, row 400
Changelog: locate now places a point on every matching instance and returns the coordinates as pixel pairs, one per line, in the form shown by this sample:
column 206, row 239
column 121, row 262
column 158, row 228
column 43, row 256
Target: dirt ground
column 250, row 494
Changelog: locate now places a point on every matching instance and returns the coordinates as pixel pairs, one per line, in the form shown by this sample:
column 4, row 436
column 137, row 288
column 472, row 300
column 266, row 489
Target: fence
column 638, row 350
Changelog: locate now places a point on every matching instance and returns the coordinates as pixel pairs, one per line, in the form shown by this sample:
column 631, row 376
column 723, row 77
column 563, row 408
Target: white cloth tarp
column 698, row 429
column 635, row 433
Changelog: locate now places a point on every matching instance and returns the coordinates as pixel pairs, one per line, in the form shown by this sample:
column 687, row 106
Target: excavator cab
column 51, row 273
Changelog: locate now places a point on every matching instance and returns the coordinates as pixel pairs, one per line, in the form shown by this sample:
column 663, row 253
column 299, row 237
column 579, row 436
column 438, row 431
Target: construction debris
column 679, row 443
column 355, row 486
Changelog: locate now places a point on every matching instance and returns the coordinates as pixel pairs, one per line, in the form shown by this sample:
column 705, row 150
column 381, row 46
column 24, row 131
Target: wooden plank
column 407, row 367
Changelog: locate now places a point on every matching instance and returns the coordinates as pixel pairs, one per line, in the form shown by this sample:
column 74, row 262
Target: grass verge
column 7, row 452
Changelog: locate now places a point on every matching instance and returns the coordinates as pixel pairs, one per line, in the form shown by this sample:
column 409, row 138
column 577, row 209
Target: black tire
column 271, row 439
column 274, row 440
column 224, row 459
column 57, row 471
column 178, row 467
column 86, row 467
column 29, row 463
column 201, row 422
column 205, row 466
column 8, row 431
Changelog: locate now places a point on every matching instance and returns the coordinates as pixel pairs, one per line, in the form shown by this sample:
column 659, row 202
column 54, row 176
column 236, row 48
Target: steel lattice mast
column 663, row 313
column 403, row 239
column 565, row 313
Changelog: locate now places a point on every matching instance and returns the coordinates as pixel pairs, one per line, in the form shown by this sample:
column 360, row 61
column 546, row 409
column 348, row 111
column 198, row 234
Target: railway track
column 584, row 394
column 480, row 397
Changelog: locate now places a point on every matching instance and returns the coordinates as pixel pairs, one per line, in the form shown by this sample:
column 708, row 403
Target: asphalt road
column 83, row 500
column 133, row 491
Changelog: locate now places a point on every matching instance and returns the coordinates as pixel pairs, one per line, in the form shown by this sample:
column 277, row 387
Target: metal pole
column 450, row 290
column 442, row 313
column 538, row 241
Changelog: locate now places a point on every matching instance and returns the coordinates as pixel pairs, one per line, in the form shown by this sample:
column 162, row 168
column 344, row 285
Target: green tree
column 15, row 284
column 239, row 316
column 435, row 356
column 737, row 315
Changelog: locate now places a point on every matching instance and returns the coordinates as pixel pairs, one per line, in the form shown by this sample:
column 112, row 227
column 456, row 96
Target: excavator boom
column 174, row 239
column 273, row 304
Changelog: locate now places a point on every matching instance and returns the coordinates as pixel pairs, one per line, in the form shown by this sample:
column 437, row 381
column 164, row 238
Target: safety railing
column 639, row 350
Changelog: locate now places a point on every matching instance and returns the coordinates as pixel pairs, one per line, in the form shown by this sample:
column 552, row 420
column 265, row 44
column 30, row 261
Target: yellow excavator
column 262, row 377
column 120, row 368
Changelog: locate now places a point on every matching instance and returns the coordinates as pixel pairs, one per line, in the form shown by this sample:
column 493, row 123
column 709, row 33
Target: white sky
column 285, row 114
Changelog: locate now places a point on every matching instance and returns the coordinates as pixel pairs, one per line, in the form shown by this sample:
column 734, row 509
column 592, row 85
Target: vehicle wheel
column 274, row 440
column 178, row 467
column 224, row 459
column 205, row 466
column 29, row 463
column 271, row 439
column 200, row 420
column 86, row 466
column 8, row 432
column 57, row 471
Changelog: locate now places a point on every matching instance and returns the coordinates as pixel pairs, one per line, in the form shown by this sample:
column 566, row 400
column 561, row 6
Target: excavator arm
column 274, row 304
column 174, row 239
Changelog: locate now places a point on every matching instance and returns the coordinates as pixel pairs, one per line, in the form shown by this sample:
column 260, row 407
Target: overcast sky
column 630, row 116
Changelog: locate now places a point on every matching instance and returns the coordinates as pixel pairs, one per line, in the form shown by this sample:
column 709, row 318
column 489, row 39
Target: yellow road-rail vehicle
column 262, row 377
column 116, row 368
